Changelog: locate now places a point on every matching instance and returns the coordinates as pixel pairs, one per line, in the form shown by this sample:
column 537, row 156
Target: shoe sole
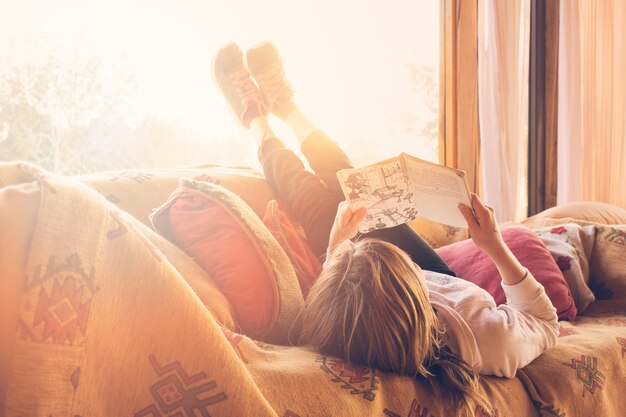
column 219, row 88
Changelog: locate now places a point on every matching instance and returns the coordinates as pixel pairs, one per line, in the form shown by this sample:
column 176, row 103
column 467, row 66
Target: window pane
column 129, row 83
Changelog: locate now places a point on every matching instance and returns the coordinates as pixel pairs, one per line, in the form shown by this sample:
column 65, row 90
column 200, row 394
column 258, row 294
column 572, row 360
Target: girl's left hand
column 483, row 226
column 484, row 231
column 346, row 224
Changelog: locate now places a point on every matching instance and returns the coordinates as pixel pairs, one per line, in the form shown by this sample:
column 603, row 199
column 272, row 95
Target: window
column 88, row 87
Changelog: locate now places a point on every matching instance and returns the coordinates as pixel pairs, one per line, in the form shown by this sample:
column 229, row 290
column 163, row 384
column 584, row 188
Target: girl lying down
column 386, row 299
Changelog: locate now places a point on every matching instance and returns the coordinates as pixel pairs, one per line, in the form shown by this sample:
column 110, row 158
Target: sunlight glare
column 348, row 61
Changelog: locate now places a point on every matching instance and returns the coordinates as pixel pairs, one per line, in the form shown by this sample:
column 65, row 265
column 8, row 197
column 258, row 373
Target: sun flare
column 366, row 72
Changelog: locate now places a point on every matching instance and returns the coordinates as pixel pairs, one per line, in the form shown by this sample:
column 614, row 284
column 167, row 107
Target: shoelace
column 274, row 84
column 246, row 89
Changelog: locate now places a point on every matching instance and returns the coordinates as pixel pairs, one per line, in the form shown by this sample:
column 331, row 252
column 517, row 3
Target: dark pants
column 313, row 198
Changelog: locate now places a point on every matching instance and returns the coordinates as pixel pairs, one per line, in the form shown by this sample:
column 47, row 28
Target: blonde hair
column 370, row 306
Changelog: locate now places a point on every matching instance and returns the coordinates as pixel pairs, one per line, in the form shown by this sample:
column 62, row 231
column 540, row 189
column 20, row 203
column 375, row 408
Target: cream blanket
column 103, row 317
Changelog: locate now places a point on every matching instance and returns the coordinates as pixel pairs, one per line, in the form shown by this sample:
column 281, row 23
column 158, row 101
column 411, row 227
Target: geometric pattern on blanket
column 175, row 391
column 360, row 380
column 584, row 373
column 588, row 373
column 57, row 302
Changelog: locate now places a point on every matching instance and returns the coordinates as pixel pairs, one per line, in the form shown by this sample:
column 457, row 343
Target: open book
column 400, row 189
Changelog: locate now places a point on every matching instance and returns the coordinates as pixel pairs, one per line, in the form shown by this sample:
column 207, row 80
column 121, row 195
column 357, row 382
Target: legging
column 313, row 198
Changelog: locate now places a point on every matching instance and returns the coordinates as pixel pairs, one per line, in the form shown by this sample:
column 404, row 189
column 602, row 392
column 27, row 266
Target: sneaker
column 237, row 86
column 268, row 71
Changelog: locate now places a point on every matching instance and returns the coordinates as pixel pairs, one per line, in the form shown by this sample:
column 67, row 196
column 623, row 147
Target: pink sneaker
column 234, row 81
column 268, row 71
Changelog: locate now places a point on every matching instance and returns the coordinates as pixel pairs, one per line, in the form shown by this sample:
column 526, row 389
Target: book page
column 384, row 190
column 438, row 190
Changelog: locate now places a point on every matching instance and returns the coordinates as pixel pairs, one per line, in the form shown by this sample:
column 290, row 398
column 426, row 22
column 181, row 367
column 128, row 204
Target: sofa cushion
column 138, row 192
column 224, row 236
column 437, row 234
column 471, row 263
column 591, row 211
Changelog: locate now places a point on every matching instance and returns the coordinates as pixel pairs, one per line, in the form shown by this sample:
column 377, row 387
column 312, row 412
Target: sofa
column 100, row 315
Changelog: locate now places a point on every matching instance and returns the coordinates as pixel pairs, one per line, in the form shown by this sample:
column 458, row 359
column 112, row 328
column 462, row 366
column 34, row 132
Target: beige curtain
column 459, row 131
column 592, row 101
column 503, row 57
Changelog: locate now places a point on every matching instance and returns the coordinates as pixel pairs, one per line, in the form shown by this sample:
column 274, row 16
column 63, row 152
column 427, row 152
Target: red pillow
column 222, row 245
column 304, row 261
column 472, row 264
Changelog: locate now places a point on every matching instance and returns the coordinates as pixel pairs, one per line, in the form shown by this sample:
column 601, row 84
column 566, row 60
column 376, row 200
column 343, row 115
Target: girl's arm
column 519, row 285
column 512, row 335
column 486, row 235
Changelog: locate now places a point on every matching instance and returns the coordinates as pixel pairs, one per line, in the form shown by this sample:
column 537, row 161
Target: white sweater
column 494, row 340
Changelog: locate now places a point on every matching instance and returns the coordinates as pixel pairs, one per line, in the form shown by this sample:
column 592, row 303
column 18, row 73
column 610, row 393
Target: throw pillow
column 437, row 234
column 226, row 238
column 471, row 263
column 570, row 246
column 606, row 266
column 290, row 238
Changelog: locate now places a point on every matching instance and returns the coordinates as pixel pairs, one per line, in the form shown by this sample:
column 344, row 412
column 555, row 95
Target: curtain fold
column 503, row 65
column 459, row 130
column 592, row 123
column 543, row 105
column 551, row 101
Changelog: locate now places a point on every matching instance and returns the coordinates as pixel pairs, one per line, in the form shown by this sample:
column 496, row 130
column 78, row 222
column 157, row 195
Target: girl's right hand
column 346, row 224
column 483, row 226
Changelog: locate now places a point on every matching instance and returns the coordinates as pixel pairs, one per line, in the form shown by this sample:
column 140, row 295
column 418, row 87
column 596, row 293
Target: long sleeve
column 502, row 339
column 512, row 335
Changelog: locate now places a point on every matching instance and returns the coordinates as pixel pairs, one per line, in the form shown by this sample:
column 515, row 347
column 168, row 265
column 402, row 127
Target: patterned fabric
column 570, row 245
column 112, row 324
column 607, row 260
column 588, row 364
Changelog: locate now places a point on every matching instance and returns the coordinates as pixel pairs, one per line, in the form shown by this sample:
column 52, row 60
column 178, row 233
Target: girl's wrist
column 335, row 240
column 497, row 251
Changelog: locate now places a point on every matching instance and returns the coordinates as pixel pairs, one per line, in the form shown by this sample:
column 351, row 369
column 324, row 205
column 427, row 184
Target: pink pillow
column 472, row 264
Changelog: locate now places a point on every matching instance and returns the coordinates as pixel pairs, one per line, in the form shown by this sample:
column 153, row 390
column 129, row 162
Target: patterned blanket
column 110, row 319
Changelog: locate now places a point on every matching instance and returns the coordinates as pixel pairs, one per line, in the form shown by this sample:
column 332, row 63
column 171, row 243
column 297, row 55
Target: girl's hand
column 483, row 226
column 484, row 230
column 346, row 224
